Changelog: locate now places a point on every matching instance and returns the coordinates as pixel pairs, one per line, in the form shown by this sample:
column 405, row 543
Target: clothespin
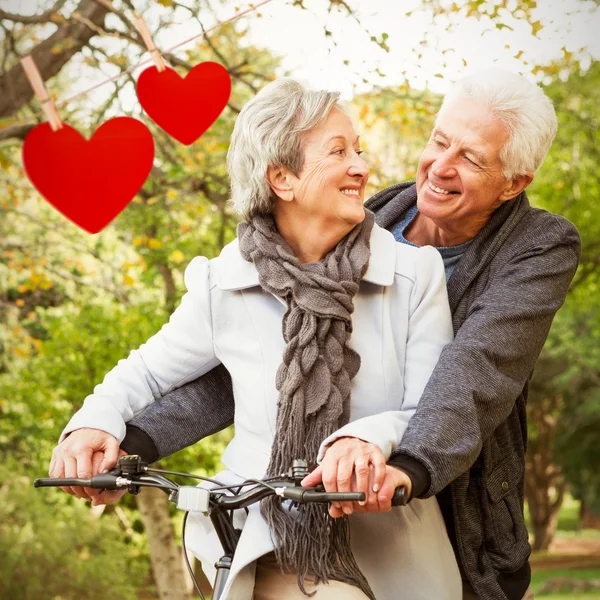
column 41, row 91
column 140, row 23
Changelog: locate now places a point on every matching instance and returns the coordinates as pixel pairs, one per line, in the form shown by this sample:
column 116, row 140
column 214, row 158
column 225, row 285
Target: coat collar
column 235, row 273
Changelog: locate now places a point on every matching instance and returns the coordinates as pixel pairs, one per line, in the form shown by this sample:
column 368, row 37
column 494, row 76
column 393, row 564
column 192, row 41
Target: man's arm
column 182, row 417
column 479, row 376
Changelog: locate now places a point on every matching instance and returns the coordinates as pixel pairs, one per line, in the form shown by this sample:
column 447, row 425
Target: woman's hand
column 86, row 452
column 352, row 465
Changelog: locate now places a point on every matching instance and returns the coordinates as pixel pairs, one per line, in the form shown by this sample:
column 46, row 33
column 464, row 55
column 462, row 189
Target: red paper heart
column 90, row 182
column 185, row 107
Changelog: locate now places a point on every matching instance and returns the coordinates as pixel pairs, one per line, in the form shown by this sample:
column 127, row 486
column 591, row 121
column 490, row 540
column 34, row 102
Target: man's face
column 459, row 179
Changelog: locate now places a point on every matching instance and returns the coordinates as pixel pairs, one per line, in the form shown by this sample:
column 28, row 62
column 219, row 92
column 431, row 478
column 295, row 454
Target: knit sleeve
column 479, row 376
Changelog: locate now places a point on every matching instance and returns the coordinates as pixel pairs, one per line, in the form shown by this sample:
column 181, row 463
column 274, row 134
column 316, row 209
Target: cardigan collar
column 236, row 273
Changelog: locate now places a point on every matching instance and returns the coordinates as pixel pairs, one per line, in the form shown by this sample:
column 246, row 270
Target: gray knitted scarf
column 313, row 382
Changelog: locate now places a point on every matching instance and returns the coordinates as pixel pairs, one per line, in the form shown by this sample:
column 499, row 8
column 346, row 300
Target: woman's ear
column 279, row 179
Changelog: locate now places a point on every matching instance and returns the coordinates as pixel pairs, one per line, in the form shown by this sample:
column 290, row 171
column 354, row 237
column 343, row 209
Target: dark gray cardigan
column 469, row 429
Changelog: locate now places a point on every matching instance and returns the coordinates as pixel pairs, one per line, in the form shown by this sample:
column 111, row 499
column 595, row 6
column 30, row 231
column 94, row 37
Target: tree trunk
column 51, row 55
column 165, row 555
column 544, row 483
column 589, row 519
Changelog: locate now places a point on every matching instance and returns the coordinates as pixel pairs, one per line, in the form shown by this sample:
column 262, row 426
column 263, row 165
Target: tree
column 565, row 386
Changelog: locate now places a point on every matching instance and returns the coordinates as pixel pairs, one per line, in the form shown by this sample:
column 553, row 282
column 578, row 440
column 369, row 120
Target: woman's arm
column 181, row 351
column 429, row 330
column 376, row 436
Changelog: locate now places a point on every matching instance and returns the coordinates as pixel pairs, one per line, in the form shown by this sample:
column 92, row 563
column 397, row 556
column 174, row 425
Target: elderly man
column 508, row 268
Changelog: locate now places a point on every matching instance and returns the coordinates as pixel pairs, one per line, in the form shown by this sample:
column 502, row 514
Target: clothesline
column 251, row 8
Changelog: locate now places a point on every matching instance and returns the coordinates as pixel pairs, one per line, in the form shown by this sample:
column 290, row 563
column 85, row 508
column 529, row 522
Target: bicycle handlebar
column 131, row 474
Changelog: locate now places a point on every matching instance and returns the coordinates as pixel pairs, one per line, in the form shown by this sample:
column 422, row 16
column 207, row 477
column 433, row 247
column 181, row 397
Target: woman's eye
column 359, row 152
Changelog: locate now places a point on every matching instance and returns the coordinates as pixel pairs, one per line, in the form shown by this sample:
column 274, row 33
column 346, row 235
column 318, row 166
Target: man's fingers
column 97, row 459
column 70, row 465
column 108, row 497
column 313, row 478
column 111, row 454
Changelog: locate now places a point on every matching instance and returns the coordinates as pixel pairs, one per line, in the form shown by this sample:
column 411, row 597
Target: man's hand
column 86, row 452
column 351, row 465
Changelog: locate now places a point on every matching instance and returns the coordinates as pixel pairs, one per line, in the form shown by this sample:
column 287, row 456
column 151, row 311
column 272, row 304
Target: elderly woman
column 329, row 328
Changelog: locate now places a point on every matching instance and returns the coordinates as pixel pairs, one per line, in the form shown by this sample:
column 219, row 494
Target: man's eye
column 471, row 161
column 340, row 151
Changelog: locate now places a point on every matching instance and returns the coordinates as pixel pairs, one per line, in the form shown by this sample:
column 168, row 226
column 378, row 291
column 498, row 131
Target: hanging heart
column 89, row 181
column 185, row 107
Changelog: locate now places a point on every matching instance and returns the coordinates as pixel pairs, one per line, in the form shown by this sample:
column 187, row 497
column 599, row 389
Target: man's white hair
column 521, row 106
column 270, row 130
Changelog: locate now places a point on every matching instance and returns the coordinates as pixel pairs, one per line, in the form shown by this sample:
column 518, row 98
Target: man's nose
column 444, row 165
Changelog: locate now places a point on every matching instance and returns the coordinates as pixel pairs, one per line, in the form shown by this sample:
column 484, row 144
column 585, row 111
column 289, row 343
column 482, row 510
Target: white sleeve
column 429, row 330
column 180, row 352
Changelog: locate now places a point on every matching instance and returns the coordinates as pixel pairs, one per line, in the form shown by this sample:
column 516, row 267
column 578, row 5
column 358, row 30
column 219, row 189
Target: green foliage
column 53, row 547
column 82, row 344
column 570, row 365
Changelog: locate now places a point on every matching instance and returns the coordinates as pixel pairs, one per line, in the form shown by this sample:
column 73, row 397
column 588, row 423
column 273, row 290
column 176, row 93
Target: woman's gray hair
column 521, row 106
column 270, row 130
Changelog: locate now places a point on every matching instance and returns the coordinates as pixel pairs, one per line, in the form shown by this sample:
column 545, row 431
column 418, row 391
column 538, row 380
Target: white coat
column 401, row 322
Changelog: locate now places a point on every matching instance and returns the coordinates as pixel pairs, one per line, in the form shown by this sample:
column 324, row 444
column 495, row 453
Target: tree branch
column 15, row 90
column 46, row 17
column 15, row 131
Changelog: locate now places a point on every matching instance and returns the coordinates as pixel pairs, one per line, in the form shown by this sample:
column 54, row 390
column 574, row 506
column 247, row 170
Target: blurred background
column 72, row 304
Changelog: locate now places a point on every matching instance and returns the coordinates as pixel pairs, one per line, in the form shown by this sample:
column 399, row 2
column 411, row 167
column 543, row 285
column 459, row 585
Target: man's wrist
column 416, row 472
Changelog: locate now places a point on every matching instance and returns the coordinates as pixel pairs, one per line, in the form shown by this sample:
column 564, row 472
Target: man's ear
column 279, row 179
column 515, row 186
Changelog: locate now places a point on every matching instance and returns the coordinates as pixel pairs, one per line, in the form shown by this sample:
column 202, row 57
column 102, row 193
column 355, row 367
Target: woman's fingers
column 379, row 470
column 362, row 472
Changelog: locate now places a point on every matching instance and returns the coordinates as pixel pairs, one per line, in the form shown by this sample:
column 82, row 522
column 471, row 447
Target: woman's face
column 331, row 185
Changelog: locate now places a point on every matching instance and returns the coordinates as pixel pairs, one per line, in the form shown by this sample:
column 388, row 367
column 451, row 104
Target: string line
column 149, row 60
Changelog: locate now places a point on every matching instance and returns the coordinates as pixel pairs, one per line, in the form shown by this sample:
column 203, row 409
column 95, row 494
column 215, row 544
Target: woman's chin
column 355, row 216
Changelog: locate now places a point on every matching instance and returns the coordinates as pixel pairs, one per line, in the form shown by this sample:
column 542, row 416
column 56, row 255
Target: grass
column 577, row 557
column 542, row 575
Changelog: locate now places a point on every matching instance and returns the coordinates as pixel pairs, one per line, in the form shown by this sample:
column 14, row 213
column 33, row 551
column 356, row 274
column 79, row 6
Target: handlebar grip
column 98, row 482
column 304, row 495
column 400, row 497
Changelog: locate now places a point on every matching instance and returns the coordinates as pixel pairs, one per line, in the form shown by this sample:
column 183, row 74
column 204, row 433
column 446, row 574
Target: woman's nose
column 359, row 167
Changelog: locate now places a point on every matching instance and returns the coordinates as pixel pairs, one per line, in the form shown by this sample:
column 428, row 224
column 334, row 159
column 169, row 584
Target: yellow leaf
column 139, row 240
column 177, row 257
column 20, row 302
column 154, row 244
column 22, row 289
column 171, row 194
column 128, row 280
column 46, row 284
